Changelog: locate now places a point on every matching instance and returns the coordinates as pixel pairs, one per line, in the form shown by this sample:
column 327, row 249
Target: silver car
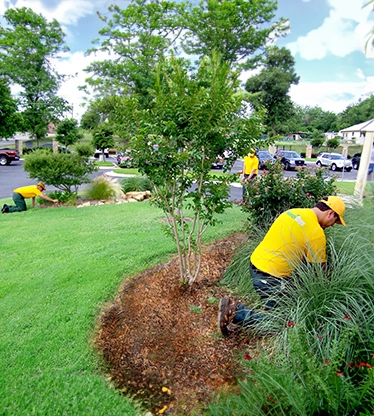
column 334, row 161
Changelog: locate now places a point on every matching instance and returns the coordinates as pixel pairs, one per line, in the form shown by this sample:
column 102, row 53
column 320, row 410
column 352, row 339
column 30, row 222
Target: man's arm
column 33, row 202
column 47, row 198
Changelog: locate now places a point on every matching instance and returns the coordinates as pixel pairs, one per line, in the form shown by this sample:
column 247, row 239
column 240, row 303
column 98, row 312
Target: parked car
column 98, row 153
column 124, row 159
column 265, row 158
column 334, row 161
column 218, row 163
column 7, row 156
column 356, row 158
column 290, row 159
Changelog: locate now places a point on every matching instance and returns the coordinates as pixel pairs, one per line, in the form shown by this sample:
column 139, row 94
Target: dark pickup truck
column 7, row 156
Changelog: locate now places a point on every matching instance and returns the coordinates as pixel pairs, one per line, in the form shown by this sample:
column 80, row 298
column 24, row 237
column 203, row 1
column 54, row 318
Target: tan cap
column 337, row 205
column 41, row 184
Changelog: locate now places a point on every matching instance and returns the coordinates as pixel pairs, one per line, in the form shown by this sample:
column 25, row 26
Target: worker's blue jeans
column 266, row 286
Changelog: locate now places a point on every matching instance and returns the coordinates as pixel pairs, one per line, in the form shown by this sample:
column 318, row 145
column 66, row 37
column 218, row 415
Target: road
column 13, row 176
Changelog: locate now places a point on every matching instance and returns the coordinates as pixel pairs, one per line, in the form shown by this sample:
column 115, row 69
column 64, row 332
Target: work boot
column 227, row 311
column 4, row 209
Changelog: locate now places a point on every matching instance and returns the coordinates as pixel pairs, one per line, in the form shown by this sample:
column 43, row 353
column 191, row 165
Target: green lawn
column 60, row 266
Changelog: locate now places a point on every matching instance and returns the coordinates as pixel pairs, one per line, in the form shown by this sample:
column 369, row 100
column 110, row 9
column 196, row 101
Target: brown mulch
column 160, row 339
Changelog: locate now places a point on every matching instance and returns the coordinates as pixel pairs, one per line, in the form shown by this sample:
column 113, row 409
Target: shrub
column 271, row 193
column 136, row 183
column 103, row 188
column 84, row 149
column 64, row 197
column 62, row 170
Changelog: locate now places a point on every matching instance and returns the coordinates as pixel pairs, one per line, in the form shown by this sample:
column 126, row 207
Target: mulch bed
column 160, row 339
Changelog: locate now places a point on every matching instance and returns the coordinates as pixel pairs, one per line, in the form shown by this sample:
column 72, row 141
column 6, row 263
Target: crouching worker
column 297, row 234
column 20, row 194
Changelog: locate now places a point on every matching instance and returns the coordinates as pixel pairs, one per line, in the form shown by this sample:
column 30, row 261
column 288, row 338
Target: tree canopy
column 27, row 44
column 9, row 119
column 147, row 31
column 272, row 85
column 68, row 132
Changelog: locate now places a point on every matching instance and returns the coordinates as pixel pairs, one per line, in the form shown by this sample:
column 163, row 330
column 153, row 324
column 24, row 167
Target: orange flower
column 247, row 356
column 339, row 373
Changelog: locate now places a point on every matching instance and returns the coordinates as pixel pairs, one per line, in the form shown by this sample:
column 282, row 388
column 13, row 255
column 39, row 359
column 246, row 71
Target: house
column 357, row 132
column 296, row 136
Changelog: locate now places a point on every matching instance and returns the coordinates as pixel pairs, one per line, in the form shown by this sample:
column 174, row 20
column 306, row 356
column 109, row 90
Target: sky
column 327, row 39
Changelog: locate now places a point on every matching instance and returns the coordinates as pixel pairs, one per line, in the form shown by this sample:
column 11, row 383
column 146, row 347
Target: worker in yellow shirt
column 296, row 235
column 20, row 194
column 250, row 169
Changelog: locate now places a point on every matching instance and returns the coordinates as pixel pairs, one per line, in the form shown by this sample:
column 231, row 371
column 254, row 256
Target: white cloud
column 73, row 64
column 360, row 73
column 67, row 12
column 331, row 96
column 341, row 33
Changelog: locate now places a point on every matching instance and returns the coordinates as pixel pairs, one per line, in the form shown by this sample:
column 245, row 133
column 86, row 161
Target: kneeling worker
column 296, row 235
column 20, row 194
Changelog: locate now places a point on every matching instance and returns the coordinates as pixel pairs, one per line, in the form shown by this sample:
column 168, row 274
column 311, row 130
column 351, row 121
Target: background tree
column 68, row 132
column 146, row 31
column 333, row 143
column 318, row 139
column 102, row 138
column 317, row 119
column 192, row 119
column 27, row 45
column 237, row 29
column 356, row 113
column 272, row 85
column 9, row 118
column 138, row 37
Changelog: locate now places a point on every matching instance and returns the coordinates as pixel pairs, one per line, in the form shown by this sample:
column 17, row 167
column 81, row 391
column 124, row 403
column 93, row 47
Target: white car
column 98, row 153
column 334, row 161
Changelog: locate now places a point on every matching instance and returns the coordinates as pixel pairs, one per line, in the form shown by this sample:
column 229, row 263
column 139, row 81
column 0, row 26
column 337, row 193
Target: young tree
column 26, row 46
column 272, row 85
column 192, row 119
column 103, row 138
column 9, row 118
column 68, row 132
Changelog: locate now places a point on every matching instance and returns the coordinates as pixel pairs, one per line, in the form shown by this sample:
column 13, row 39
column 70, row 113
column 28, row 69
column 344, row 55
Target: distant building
column 51, row 128
column 330, row 135
column 357, row 132
column 296, row 136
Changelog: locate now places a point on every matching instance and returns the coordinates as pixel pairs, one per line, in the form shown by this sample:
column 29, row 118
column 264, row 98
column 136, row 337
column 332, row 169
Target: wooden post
column 55, row 146
column 308, row 152
column 19, row 147
column 364, row 166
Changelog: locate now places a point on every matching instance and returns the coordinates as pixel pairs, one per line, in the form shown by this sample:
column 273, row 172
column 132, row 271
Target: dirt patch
column 160, row 339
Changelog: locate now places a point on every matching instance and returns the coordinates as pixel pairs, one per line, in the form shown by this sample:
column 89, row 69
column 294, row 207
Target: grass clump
column 136, row 183
column 103, row 188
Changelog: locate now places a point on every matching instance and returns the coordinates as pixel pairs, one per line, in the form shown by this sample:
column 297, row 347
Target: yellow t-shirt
column 294, row 236
column 250, row 163
column 28, row 191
